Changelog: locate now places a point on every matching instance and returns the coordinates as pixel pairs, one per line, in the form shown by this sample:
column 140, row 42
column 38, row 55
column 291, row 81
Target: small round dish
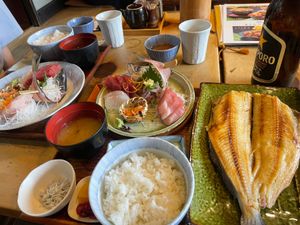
column 162, row 47
column 80, row 196
column 41, row 182
column 78, row 130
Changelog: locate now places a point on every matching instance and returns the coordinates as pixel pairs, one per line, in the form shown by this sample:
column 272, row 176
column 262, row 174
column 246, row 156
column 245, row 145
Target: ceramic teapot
column 135, row 15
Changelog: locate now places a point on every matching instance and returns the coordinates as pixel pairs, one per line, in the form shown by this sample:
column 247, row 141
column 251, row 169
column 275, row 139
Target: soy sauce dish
column 78, row 130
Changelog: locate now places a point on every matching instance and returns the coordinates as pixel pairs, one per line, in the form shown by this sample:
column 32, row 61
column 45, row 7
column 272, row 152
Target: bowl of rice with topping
column 45, row 42
column 143, row 180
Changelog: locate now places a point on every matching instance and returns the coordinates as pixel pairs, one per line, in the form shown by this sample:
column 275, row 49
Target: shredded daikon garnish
column 31, row 112
column 52, row 90
column 54, row 193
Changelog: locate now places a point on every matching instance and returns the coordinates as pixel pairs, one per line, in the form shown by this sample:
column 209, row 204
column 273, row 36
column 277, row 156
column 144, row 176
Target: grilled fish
column 276, row 147
column 229, row 131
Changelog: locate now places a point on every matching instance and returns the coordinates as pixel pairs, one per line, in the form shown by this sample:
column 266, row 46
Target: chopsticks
column 99, row 60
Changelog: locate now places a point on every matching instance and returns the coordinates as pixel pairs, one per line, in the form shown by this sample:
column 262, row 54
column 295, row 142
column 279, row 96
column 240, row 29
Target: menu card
column 240, row 24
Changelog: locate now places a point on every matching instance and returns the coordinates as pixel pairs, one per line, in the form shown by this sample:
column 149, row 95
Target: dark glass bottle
column 278, row 55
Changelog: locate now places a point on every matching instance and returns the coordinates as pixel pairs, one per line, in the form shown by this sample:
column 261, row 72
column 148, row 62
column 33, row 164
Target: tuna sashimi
column 119, row 83
column 170, row 107
column 49, row 71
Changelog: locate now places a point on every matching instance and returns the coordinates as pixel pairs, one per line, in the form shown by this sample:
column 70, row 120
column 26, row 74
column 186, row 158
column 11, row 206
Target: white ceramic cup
column 194, row 36
column 110, row 23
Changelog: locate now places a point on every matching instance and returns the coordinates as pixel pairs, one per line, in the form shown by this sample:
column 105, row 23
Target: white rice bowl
column 140, row 196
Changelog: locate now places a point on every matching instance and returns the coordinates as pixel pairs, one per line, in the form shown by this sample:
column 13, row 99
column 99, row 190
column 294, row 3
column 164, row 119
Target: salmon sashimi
column 170, row 106
column 229, row 131
column 276, row 147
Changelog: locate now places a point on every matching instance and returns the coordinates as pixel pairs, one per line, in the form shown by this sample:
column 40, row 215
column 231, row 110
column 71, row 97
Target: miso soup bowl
column 86, row 148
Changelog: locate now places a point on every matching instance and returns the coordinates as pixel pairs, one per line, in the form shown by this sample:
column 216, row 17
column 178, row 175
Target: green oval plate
column 152, row 125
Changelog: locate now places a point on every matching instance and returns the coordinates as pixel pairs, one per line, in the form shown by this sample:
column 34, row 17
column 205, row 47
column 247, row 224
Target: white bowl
column 38, row 180
column 50, row 51
column 118, row 153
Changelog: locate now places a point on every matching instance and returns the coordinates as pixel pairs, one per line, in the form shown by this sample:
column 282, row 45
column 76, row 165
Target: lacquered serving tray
column 212, row 203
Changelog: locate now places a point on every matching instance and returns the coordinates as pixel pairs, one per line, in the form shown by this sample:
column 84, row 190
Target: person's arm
column 8, row 58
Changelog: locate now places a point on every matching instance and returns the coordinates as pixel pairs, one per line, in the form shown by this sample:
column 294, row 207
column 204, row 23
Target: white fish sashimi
column 23, row 109
column 113, row 100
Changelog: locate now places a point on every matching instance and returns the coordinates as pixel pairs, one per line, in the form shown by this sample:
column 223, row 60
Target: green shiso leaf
column 152, row 74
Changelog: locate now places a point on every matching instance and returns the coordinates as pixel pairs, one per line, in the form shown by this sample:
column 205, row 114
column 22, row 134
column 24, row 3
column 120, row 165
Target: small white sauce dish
column 39, row 180
column 81, row 195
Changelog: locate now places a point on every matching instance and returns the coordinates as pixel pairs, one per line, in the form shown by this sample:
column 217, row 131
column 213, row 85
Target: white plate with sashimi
column 21, row 103
column 149, row 100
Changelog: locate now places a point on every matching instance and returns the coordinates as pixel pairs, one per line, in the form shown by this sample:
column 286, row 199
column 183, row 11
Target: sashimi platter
column 20, row 101
column 149, row 100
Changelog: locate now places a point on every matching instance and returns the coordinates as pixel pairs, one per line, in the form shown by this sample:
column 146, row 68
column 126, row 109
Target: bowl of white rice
column 143, row 180
column 45, row 42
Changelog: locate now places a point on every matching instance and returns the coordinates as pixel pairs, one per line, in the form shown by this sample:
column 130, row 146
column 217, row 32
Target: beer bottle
column 278, row 55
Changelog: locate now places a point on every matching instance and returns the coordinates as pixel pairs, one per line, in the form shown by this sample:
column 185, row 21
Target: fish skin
column 229, row 132
column 276, row 147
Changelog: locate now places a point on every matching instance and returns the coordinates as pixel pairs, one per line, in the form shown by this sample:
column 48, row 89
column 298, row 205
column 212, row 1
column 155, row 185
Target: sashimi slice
column 49, row 71
column 20, row 102
column 170, row 107
column 119, row 83
column 113, row 100
column 168, row 103
column 174, row 116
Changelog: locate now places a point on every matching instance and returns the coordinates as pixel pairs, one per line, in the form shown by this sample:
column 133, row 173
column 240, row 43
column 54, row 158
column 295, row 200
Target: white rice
column 144, row 189
column 46, row 39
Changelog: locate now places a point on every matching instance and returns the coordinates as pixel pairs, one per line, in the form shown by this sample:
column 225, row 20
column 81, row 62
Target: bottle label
column 269, row 56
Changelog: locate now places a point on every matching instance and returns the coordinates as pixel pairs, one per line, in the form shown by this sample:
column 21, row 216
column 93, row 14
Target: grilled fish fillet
column 229, row 131
column 276, row 147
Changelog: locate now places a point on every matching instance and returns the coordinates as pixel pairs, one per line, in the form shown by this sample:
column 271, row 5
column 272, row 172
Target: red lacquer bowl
column 81, row 49
column 77, row 112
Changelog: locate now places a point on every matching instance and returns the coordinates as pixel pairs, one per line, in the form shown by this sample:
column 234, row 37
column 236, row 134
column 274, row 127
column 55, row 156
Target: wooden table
column 238, row 68
column 18, row 157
